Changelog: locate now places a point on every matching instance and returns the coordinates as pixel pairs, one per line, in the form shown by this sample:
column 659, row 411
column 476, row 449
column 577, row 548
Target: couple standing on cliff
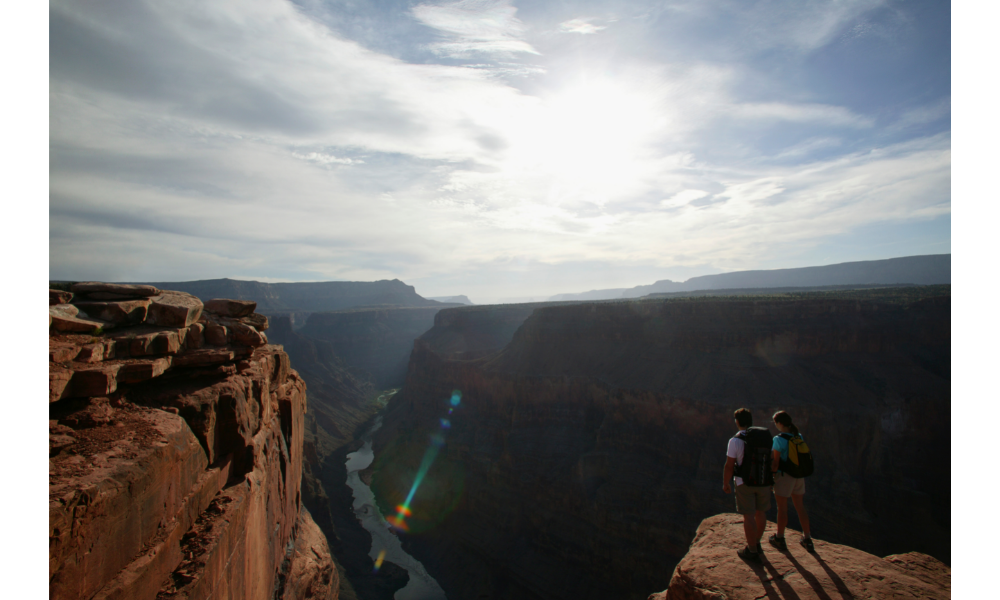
column 762, row 467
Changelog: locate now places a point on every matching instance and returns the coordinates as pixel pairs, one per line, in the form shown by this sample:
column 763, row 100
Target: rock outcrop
column 584, row 453
column 711, row 570
column 175, row 464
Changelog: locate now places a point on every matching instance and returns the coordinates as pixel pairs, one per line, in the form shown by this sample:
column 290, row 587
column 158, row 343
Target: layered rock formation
column 175, row 452
column 584, row 454
column 711, row 570
column 306, row 296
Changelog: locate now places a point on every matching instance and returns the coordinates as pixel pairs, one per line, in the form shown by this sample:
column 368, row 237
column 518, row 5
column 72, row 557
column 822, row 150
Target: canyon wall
column 584, row 454
column 306, row 296
column 377, row 341
column 176, row 452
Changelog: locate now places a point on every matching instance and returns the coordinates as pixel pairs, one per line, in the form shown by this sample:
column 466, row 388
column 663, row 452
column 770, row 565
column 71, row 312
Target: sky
column 493, row 148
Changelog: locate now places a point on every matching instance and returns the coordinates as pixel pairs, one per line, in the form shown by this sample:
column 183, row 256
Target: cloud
column 581, row 26
column 237, row 139
column 488, row 27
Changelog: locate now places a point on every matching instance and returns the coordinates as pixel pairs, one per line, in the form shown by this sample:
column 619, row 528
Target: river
column 421, row 585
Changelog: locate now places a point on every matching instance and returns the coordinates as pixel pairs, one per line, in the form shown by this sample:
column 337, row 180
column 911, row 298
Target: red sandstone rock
column 161, row 342
column 711, row 569
column 245, row 335
column 142, row 370
column 59, row 297
column 197, row 358
column 258, row 322
column 122, row 289
column 312, row 574
column 62, row 351
column 96, row 380
column 120, row 312
column 64, row 317
column 59, row 377
column 174, row 309
column 196, row 337
column 96, row 352
column 107, row 501
column 230, row 308
column 215, row 334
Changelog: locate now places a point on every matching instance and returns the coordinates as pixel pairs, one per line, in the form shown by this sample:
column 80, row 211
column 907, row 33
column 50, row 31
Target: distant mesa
column 930, row 269
column 453, row 300
column 305, row 297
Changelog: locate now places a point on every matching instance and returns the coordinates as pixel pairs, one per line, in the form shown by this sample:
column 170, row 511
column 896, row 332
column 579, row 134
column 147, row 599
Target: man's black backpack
column 800, row 459
column 756, row 466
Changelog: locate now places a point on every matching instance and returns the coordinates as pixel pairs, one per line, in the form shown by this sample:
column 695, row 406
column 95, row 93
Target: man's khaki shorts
column 752, row 498
column 785, row 485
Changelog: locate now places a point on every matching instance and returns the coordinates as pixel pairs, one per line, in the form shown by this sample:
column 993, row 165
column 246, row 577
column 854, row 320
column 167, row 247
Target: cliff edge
column 711, row 569
column 175, row 452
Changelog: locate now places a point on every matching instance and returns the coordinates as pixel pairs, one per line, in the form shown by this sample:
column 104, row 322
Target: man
column 752, row 501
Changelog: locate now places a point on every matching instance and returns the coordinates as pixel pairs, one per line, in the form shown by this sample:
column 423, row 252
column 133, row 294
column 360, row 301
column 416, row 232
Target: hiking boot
column 749, row 555
column 760, row 549
column 807, row 543
column 777, row 542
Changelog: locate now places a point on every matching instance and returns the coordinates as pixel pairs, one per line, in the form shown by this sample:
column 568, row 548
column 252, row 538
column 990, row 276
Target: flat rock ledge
column 711, row 569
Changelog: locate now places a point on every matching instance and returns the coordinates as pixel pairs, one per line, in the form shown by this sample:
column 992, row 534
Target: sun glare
column 589, row 141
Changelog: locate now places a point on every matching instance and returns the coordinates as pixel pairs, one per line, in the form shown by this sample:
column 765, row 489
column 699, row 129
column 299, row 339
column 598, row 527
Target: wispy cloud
column 488, row 27
column 582, row 26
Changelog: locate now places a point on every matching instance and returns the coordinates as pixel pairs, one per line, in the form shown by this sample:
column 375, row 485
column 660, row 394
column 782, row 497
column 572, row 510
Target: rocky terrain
column 586, row 451
column 711, row 570
column 176, row 452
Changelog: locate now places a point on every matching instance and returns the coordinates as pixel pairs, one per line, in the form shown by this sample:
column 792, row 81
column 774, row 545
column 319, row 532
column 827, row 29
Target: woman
column 786, row 486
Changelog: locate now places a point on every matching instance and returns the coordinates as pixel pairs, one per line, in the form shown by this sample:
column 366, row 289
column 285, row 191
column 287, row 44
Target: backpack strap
column 787, row 436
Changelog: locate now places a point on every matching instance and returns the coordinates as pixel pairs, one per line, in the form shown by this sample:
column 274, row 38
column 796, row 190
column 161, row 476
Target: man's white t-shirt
column 735, row 450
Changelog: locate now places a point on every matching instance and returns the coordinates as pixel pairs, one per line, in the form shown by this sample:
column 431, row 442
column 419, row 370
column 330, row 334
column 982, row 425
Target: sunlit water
column 421, row 585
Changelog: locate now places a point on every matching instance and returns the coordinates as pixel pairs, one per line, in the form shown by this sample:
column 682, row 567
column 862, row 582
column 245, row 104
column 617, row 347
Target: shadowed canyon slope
column 585, row 452
column 176, row 452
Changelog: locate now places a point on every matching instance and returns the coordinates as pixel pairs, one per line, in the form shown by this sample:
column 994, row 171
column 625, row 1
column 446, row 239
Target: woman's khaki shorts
column 786, row 485
column 751, row 498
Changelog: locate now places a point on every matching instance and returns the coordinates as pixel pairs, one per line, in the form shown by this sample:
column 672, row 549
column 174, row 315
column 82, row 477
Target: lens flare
column 378, row 561
column 437, row 442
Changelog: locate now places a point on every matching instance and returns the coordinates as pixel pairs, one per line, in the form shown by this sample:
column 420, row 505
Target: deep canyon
column 578, row 445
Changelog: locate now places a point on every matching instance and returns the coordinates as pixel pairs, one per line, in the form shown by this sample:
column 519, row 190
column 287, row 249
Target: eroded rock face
column 711, row 570
column 175, row 471
column 584, row 454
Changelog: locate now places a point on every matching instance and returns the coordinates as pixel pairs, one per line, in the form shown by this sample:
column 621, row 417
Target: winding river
column 421, row 585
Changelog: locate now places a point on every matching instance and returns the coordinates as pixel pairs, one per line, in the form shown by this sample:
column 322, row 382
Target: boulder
column 119, row 312
column 59, row 297
column 174, row 309
column 245, row 335
column 161, row 342
column 99, row 380
column 196, row 337
column 711, row 569
column 123, row 289
column 226, row 307
column 59, row 378
column 63, row 317
column 258, row 322
column 142, row 370
column 215, row 334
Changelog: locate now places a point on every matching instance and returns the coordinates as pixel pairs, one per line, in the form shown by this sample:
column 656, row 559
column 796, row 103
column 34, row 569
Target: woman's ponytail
column 783, row 418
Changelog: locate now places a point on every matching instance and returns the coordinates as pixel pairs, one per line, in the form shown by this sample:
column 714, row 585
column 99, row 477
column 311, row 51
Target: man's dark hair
column 743, row 417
